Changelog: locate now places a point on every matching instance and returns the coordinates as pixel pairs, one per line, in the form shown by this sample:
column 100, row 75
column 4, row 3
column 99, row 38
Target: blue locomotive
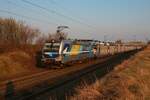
column 67, row 51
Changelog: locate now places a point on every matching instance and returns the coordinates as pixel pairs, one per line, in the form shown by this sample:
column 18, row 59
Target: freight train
column 68, row 51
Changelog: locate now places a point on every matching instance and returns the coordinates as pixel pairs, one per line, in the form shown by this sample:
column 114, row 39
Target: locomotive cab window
column 52, row 47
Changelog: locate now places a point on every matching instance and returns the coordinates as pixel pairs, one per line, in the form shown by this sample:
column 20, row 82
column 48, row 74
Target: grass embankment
column 17, row 61
column 128, row 81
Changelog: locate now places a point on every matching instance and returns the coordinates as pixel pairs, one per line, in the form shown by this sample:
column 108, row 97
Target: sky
column 87, row 19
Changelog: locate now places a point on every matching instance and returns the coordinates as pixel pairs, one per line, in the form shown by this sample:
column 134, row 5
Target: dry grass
column 13, row 63
column 128, row 81
column 86, row 92
column 17, row 61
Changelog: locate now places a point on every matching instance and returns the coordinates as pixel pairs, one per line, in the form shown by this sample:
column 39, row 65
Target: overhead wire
column 33, row 11
column 54, row 12
column 67, row 10
column 27, row 17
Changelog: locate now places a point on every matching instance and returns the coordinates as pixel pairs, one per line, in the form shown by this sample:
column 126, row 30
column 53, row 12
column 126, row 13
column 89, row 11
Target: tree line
column 17, row 33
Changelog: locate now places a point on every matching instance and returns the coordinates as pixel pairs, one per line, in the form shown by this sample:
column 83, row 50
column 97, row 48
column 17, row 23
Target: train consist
column 68, row 51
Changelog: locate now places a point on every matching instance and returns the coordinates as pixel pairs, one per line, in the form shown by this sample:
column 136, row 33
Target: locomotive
column 66, row 51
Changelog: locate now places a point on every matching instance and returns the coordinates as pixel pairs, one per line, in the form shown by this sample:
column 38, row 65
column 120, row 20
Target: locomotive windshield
column 51, row 47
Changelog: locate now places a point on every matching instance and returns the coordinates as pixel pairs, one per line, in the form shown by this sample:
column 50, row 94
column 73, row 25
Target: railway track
column 26, row 87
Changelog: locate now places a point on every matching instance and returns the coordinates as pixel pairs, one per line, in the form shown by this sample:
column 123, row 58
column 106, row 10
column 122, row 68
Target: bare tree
column 16, row 32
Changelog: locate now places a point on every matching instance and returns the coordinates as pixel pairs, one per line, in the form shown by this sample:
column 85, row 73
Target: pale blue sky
column 92, row 19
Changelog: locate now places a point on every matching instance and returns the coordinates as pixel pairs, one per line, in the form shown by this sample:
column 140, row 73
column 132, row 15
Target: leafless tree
column 14, row 32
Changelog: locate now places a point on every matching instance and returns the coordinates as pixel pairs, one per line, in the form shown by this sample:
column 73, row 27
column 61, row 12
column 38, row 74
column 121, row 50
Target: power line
column 17, row 5
column 62, row 7
column 30, row 18
column 54, row 12
column 27, row 17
